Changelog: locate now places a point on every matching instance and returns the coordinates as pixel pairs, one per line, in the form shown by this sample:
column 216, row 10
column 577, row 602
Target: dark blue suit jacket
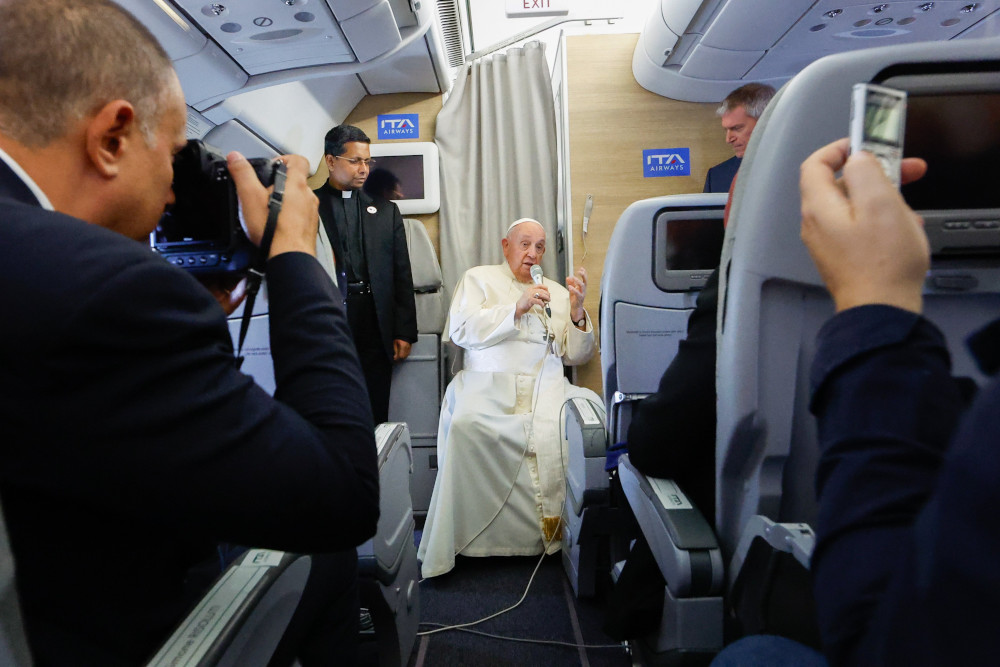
column 131, row 443
column 906, row 563
column 721, row 176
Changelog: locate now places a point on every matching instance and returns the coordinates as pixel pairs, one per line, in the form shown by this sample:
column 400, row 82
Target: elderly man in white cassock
column 501, row 463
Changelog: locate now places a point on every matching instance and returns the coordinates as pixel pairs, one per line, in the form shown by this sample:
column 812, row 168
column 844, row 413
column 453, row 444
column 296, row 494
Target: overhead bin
column 372, row 32
column 224, row 48
column 701, row 51
column 202, row 66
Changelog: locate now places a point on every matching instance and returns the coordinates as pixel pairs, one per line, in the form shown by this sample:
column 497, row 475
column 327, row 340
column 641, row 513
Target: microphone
column 536, row 275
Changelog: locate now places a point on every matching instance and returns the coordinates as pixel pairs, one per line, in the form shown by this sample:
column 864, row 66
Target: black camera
column 201, row 232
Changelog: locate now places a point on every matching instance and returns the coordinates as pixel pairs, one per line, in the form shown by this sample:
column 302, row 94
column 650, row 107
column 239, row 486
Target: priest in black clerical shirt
column 372, row 262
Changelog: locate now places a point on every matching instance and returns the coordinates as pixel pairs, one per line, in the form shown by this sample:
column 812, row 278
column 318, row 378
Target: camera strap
column 255, row 274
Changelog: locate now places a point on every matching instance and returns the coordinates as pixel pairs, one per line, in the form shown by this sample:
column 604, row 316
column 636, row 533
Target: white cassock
column 500, row 423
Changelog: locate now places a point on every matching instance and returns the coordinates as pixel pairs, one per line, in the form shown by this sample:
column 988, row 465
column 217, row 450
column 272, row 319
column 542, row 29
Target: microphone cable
column 549, row 337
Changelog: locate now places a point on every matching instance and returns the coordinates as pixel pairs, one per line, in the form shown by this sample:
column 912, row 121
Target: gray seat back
column 645, row 303
column 418, row 382
column 430, row 298
column 387, row 563
column 772, row 301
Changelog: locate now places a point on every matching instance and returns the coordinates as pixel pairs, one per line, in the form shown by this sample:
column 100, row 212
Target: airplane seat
column 417, row 382
column 261, row 589
column 645, row 306
column 243, row 616
column 238, row 622
column 587, row 516
column 773, row 302
column 387, row 563
column 687, row 554
column 427, row 278
column 644, row 309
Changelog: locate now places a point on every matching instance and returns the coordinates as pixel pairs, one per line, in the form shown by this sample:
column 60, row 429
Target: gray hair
column 61, row 60
column 753, row 97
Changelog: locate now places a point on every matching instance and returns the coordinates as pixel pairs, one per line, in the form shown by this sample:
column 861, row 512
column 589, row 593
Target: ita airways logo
column 658, row 162
column 398, row 126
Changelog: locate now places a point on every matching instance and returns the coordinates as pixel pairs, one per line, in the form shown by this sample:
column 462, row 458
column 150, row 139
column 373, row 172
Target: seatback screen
column 687, row 245
column 959, row 136
column 693, row 244
column 400, row 177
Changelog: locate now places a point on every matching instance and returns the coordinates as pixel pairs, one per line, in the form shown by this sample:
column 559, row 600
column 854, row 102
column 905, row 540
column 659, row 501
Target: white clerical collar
column 346, row 194
column 23, row 175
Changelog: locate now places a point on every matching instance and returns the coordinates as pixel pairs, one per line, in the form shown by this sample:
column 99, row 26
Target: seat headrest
column 423, row 259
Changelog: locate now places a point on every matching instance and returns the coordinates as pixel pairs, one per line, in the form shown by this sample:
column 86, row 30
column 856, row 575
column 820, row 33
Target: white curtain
column 496, row 134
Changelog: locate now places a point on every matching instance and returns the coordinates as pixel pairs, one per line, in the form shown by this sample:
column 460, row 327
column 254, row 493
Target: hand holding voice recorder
column 878, row 121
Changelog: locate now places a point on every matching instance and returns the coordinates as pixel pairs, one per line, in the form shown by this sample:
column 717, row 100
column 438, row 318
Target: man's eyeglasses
column 355, row 161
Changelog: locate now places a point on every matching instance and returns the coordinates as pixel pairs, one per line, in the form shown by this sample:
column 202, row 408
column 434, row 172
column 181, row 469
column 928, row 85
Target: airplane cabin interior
column 597, row 118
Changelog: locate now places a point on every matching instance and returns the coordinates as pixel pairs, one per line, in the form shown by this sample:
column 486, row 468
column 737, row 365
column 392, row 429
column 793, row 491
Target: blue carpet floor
column 478, row 587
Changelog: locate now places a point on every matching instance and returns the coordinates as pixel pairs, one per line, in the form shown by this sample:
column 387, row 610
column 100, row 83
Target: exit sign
column 537, row 8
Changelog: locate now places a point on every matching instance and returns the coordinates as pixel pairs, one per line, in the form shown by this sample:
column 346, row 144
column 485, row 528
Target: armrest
column 797, row 539
column 587, row 444
column 769, row 583
column 243, row 616
column 682, row 541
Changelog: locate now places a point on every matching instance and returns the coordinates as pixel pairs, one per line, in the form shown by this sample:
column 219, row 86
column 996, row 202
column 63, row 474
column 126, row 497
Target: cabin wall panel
column 611, row 121
column 365, row 116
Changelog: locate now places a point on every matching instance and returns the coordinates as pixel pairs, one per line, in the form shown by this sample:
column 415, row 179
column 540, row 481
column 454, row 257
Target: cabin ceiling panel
column 179, row 37
column 294, row 116
column 780, row 37
column 372, row 32
column 832, row 27
column 676, row 14
column 753, row 26
column 234, row 136
column 345, row 9
column 410, row 71
column 266, row 35
column 706, row 62
column 207, row 73
column 984, row 29
column 660, row 39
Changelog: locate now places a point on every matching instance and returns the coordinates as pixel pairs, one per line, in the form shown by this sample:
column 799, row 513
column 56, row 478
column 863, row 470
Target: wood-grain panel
column 365, row 116
column 611, row 120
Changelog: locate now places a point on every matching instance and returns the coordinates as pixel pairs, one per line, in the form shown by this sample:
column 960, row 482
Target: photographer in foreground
column 132, row 444
column 905, row 564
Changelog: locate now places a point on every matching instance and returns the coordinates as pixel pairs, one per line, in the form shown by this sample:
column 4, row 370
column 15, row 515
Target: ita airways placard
column 398, row 126
column 658, row 162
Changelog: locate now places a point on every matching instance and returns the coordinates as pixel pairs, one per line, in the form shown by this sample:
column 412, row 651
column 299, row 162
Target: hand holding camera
column 221, row 211
column 202, row 232
column 298, row 221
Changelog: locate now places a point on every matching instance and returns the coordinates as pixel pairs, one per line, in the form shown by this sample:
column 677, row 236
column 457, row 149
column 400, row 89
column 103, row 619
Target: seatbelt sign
column 657, row 162
column 537, row 8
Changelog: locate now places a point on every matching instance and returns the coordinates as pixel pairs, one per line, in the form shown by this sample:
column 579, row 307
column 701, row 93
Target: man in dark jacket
column 739, row 112
column 369, row 244
column 904, row 568
column 132, row 445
